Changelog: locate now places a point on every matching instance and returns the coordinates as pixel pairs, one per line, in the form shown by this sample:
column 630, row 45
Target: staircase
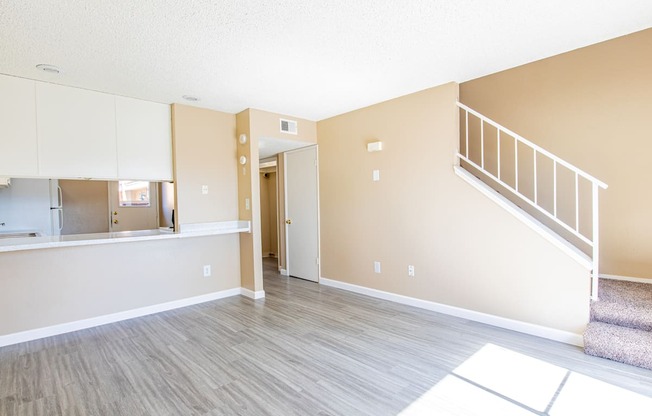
column 559, row 195
column 621, row 323
column 532, row 178
column 620, row 326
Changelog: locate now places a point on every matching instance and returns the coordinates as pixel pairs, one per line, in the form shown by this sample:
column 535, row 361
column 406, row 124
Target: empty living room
column 325, row 208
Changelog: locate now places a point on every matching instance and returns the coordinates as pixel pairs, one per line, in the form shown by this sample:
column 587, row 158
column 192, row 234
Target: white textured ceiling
column 310, row 59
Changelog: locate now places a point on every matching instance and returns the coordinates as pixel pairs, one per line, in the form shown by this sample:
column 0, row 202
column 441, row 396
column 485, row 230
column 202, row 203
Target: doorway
column 133, row 205
column 269, row 211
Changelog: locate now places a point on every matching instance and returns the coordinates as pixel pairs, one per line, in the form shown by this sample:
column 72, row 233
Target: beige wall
column 467, row 251
column 591, row 107
column 204, row 144
column 41, row 288
column 266, row 124
column 86, row 206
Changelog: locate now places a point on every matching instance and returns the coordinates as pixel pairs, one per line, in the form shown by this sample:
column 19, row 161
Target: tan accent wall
column 204, row 144
column 86, row 206
column 591, row 107
column 467, row 251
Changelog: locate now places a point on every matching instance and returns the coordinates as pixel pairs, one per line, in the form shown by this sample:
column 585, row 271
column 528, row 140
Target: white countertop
column 187, row 230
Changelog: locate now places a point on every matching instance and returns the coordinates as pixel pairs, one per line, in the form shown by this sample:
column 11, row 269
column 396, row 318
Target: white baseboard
column 259, row 294
column 627, row 278
column 511, row 324
column 49, row 331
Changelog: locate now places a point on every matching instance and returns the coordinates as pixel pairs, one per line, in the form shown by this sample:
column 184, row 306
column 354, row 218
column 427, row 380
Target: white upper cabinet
column 76, row 133
column 144, row 139
column 53, row 131
column 18, row 143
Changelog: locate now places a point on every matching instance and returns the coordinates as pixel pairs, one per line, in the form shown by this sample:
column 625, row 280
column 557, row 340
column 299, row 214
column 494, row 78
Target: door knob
column 115, row 221
column 288, row 222
column 115, row 212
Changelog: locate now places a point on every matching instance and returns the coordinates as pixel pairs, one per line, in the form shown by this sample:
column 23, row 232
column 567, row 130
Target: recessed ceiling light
column 51, row 69
column 190, row 98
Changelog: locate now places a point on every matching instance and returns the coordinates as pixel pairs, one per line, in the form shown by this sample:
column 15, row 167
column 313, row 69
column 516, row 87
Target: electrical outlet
column 376, row 267
column 207, row 270
column 376, row 175
column 204, row 189
column 247, row 204
column 411, row 270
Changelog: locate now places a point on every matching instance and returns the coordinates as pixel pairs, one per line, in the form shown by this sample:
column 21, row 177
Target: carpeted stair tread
column 624, row 303
column 626, row 345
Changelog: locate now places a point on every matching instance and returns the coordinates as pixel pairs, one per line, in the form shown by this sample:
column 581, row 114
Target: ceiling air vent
column 288, row 126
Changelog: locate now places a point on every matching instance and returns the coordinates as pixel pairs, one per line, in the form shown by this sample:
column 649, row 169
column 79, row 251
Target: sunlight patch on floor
column 453, row 396
column 524, row 379
column 498, row 381
column 584, row 395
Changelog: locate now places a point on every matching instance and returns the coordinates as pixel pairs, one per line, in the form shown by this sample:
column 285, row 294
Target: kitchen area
column 80, row 164
column 52, row 207
column 29, row 208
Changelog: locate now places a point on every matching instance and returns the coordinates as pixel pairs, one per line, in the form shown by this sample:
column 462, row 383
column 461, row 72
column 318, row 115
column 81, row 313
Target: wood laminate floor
column 305, row 349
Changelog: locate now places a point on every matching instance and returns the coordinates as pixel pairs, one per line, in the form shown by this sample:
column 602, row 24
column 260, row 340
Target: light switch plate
column 376, row 175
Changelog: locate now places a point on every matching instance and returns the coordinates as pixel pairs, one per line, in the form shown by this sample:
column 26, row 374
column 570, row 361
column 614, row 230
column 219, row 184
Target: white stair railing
column 574, row 228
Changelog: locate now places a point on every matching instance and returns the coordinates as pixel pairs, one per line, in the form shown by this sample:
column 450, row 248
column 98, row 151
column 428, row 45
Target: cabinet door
column 18, row 154
column 144, row 140
column 76, row 133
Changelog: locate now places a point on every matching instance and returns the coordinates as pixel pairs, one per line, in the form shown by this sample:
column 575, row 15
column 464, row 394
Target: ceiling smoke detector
column 50, row 69
column 190, row 98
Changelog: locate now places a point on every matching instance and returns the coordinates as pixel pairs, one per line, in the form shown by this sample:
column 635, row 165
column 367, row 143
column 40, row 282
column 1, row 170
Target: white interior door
column 133, row 208
column 302, row 213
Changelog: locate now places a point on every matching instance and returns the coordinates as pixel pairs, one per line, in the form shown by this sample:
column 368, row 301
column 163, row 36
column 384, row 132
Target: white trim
column 646, row 280
column 49, row 331
column 525, row 218
column 270, row 164
column 284, row 272
column 221, row 227
column 511, row 324
column 538, row 149
column 259, row 294
column 188, row 231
